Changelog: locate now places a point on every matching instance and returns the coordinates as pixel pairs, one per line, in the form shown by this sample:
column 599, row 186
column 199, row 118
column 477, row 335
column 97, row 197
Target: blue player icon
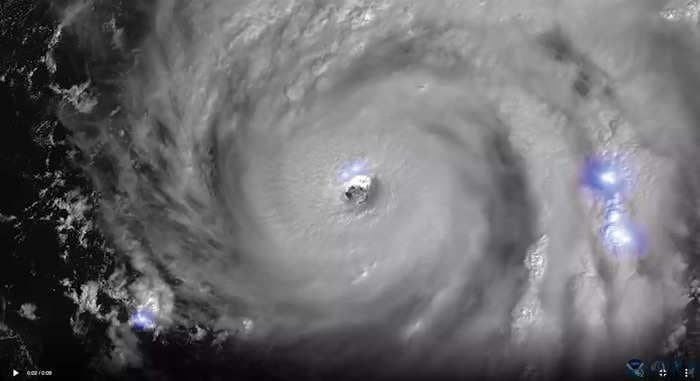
column 635, row 369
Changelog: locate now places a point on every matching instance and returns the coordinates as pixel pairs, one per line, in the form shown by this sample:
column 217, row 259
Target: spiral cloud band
column 223, row 152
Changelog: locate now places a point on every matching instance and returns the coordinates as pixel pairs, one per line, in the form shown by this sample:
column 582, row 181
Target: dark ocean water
column 37, row 171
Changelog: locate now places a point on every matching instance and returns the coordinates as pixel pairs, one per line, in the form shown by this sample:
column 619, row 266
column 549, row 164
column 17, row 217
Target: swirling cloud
column 220, row 150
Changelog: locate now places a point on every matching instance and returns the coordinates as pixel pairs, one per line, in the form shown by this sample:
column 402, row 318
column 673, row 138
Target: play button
column 14, row 373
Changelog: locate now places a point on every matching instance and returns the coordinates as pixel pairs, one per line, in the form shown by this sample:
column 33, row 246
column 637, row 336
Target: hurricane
column 400, row 189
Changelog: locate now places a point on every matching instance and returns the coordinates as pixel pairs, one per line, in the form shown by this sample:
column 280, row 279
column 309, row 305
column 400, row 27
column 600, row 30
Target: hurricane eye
column 358, row 189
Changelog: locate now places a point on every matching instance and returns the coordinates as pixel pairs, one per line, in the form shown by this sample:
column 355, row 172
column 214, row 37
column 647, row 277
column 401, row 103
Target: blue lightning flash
column 142, row 320
column 606, row 176
column 610, row 179
column 622, row 238
column 351, row 169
